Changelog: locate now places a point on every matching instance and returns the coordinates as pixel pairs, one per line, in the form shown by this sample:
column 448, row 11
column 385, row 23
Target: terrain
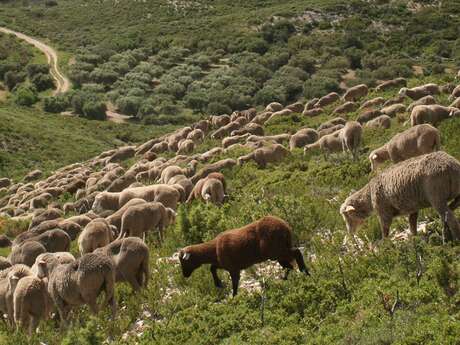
column 405, row 290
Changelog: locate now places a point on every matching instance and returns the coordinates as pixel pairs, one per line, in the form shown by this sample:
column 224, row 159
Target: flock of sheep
column 114, row 208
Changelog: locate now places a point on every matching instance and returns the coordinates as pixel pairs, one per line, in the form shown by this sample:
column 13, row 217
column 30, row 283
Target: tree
column 95, row 110
column 25, row 95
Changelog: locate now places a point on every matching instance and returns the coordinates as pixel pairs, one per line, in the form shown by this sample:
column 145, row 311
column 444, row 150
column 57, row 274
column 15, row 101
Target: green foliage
column 25, row 95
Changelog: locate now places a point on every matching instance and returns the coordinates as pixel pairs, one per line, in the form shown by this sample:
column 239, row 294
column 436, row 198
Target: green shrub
column 55, row 104
column 25, row 95
column 215, row 108
column 95, row 110
column 42, row 82
column 320, row 86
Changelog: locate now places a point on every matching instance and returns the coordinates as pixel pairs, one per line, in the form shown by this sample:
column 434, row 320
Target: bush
column 25, row 95
column 42, row 82
column 269, row 94
column 55, row 104
column 34, row 69
column 11, row 79
column 95, row 110
column 129, row 105
column 216, row 108
column 304, row 61
column 320, row 86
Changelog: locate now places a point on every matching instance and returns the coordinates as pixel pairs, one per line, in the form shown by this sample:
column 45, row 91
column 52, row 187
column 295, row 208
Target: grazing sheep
column 273, row 107
column 224, row 131
column 142, row 149
column 394, row 100
column 303, row 137
column 455, row 93
column 296, row 107
column 351, row 136
column 168, row 195
column 5, row 182
column 131, row 260
column 51, row 260
column 394, row 109
column 265, row 155
column 327, row 100
column 432, row 114
column 213, row 191
column 26, row 253
column 81, row 282
column 229, row 141
column 278, row 138
column 368, row 115
column 313, row 112
column 48, row 214
column 214, row 167
column 356, row 92
column 160, row 147
column 96, row 234
column 427, row 100
column 203, row 125
column 250, row 128
column 55, row 240
column 197, row 189
column 261, row 118
column 330, row 130
column 7, row 290
column 206, row 156
column 405, row 188
column 311, row 104
column 197, row 135
column 137, row 220
column 169, row 172
column 269, row 238
column 115, row 218
column 81, row 220
column 420, row 91
column 455, row 103
column 372, row 103
column 383, row 121
column 389, row 84
column 185, row 147
column 328, row 143
column 5, row 242
column 345, row 108
column 332, row 123
column 121, row 183
column 4, row 263
column 280, row 114
column 30, row 301
column 220, row 121
column 33, row 175
column 122, row 154
column 415, row 141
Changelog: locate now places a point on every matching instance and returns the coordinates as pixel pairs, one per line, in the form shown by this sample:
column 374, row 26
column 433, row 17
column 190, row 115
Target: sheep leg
column 300, row 262
column 413, row 223
column 385, row 222
column 451, row 226
column 134, row 283
column 217, row 281
column 33, row 324
column 288, row 266
column 235, row 275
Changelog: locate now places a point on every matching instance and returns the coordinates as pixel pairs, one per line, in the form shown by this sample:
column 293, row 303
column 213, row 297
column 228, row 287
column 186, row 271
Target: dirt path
column 113, row 116
column 62, row 83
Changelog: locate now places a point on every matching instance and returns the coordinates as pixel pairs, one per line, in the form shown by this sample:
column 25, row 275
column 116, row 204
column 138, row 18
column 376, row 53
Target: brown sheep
column 356, row 92
column 81, row 282
column 345, row 108
column 351, row 136
column 33, row 175
column 115, row 218
column 405, row 188
column 455, row 103
column 185, row 147
column 269, row 238
column 228, row 141
column 96, row 234
column 203, row 125
column 250, row 128
column 303, row 137
column 329, row 99
column 121, row 183
column 297, row 107
column 26, row 253
column 160, row 147
column 213, row 191
column 225, row 130
column 274, row 107
column 138, row 220
column 5, row 182
column 169, row 172
column 122, row 154
column 427, row 100
column 40, row 201
column 280, row 114
column 214, row 167
column 220, row 120
column 394, row 100
column 330, row 130
column 313, row 112
column 383, row 121
column 4, row 263
column 415, row 141
column 81, row 220
column 389, row 84
column 145, row 147
column 455, row 93
column 420, row 91
column 368, row 115
column 261, row 118
column 311, row 104
column 264, row 155
column 45, row 215
column 432, row 114
column 197, row 189
column 55, row 240
column 278, row 138
column 197, row 135
column 131, row 260
column 332, row 123
column 206, row 156
column 394, row 109
column 372, row 103
column 328, row 143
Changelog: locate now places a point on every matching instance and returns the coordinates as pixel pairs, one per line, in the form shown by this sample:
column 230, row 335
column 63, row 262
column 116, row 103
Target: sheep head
column 356, row 208
column 454, row 112
column 188, row 263
column 377, row 157
column 402, row 92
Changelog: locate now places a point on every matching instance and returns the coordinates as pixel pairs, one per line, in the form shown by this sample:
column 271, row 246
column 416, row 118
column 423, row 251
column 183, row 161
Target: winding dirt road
column 62, row 83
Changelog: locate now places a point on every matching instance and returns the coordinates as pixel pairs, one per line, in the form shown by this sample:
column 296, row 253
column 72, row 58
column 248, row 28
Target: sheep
column 161, row 147
column 81, row 220
column 121, row 183
column 389, row 84
column 280, row 114
column 311, row 104
column 278, row 138
column 368, row 115
column 332, row 123
column 269, row 238
column 250, row 128
column 130, row 257
column 274, row 107
column 81, row 282
column 455, row 93
column 415, row 141
column 330, row 130
column 184, row 182
column 328, row 143
column 261, row 118
column 265, row 155
column 432, row 114
column 220, row 121
column 203, row 125
column 51, row 260
column 198, row 188
column 228, row 141
column 213, row 191
column 383, row 121
column 30, row 302
column 345, row 108
column 96, row 234
column 33, row 175
column 26, row 253
column 55, row 240
column 371, row 103
column 405, row 188
column 137, row 220
column 143, row 148
column 4, row 242
column 296, row 107
column 327, row 100
column 225, row 130
column 4, row 263
column 197, row 135
column 313, row 112
column 303, row 137
column 5, row 182
column 214, row 167
column 169, row 172
column 394, row 109
column 455, row 103
column 427, row 100
column 420, row 91
column 45, row 215
column 122, row 154
column 351, row 136
column 186, row 146
column 115, row 218
column 355, row 92
column 394, row 100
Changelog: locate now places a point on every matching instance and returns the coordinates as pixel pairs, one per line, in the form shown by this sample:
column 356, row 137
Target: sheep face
column 98, row 205
column 375, row 160
column 187, row 263
column 171, row 215
column 354, row 212
column 454, row 113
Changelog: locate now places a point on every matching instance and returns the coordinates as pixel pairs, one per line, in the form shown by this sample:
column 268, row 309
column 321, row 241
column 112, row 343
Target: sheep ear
column 41, row 262
column 349, row 208
column 374, row 156
column 185, row 256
